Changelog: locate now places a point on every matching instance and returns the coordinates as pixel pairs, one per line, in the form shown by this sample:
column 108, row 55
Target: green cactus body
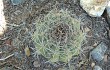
column 58, row 36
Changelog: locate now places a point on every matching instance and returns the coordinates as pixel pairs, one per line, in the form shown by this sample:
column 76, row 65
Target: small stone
column 105, row 58
column 94, row 8
column 86, row 29
column 17, row 2
column 98, row 52
column 46, row 69
column 97, row 68
column 95, row 44
column 92, row 64
column 36, row 64
column 27, row 51
column 61, row 69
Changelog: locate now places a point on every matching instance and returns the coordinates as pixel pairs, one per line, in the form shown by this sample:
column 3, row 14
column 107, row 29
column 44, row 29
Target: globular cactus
column 58, row 36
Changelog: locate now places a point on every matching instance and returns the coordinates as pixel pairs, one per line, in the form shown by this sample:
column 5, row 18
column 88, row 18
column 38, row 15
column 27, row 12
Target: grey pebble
column 98, row 52
column 17, row 2
column 97, row 68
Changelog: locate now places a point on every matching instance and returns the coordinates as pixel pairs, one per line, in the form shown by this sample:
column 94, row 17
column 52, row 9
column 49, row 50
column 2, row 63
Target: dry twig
column 3, row 59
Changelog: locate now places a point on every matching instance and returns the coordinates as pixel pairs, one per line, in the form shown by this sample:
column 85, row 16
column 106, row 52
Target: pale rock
column 108, row 12
column 92, row 64
column 3, row 22
column 94, row 8
column 108, row 8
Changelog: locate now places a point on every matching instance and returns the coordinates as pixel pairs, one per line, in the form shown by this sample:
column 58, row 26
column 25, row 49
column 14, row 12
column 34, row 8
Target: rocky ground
column 16, row 44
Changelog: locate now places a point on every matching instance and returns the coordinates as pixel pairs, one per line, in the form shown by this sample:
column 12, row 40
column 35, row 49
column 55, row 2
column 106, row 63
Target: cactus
column 58, row 36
